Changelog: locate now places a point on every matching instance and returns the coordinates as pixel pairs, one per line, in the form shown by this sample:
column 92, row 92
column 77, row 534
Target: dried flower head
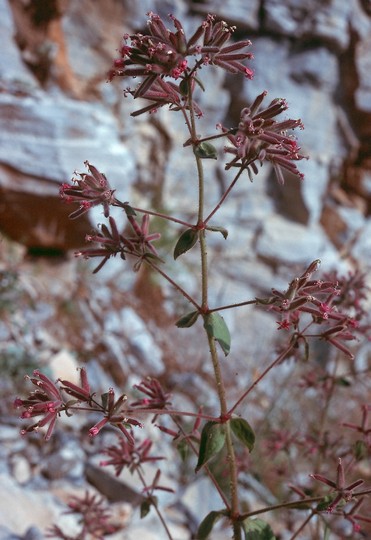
column 155, row 396
column 129, row 455
column 94, row 519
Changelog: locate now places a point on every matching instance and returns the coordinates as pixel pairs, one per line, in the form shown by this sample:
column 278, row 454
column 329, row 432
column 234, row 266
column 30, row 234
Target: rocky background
column 56, row 111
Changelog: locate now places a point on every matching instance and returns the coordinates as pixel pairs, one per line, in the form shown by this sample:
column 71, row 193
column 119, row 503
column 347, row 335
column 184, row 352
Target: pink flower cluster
column 259, row 137
column 163, row 54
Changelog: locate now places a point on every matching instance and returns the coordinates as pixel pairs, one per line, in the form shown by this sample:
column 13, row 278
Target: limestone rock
column 23, row 507
column 363, row 66
column 14, row 75
column 305, row 21
column 285, row 241
column 43, row 140
column 239, row 12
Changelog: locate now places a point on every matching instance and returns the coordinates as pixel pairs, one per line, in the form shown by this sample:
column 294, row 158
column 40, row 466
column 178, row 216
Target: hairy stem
column 231, row 458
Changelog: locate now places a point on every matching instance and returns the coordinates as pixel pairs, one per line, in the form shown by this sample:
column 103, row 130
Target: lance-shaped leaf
column 129, row 211
column 215, row 327
column 222, row 230
column 326, row 502
column 206, row 150
column 257, row 529
column 360, row 450
column 183, row 449
column 208, row 523
column 187, row 320
column 185, row 242
column 145, row 506
column 244, row 432
column 212, row 441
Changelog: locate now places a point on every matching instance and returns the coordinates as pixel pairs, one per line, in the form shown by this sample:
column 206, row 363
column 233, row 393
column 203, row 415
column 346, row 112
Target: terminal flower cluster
column 164, row 54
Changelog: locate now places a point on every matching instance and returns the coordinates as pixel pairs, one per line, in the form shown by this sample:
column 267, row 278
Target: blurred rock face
column 56, row 111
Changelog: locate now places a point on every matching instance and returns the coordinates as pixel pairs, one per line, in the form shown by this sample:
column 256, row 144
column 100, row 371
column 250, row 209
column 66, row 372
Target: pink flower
column 164, row 54
column 111, row 242
column 260, row 138
column 46, row 402
column 88, row 190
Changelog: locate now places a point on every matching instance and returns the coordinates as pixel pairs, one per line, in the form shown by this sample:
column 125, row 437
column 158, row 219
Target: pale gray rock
column 327, row 21
column 360, row 18
column 50, row 137
column 362, row 247
column 43, row 140
column 66, row 462
column 363, row 67
column 14, row 75
column 25, row 507
column 239, row 12
column 130, row 339
column 313, row 105
column 317, row 66
column 21, row 470
column 33, row 533
column 6, row 534
column 282, row 241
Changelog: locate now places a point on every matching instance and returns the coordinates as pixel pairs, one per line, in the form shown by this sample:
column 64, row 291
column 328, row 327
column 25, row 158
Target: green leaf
column 208, row 523
column 257, row 529
column 185, row 242
column 206, row 150
column 129, row 210
column 200, row 83
column 219, row 229
column 325, row 503
column 212, row 441
column 183, row 449
column 244, row 432
column 184, row 87
column 153, row 257
column 145, row 508
column 215, row 327
column 104, row 399
column 187, row 320
column 360, row 450
column 342, row 381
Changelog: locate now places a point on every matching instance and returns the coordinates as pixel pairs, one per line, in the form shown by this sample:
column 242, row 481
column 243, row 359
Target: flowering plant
column 170, row 67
